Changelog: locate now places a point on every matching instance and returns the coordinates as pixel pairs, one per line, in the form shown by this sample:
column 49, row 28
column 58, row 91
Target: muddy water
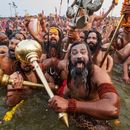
column 35, row 115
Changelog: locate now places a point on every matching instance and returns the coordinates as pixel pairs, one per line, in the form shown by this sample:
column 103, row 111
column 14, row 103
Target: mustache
column 53, row 39
column 91, row 43
column 92, row 46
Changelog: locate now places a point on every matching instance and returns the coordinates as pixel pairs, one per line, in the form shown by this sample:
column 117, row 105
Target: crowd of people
column 71, row 62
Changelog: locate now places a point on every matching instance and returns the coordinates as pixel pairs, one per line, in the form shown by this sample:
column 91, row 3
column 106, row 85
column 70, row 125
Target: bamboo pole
column 113, row 37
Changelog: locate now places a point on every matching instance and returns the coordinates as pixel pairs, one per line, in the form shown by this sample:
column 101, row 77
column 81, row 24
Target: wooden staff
column 108, row 49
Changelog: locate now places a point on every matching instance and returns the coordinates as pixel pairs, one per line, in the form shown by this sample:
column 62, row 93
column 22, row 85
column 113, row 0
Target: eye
column 94, row 38
column 55, row 34
column 82, row 51
column 11, row 43
column 89, row 37
column 74, row 52
column 50, row 33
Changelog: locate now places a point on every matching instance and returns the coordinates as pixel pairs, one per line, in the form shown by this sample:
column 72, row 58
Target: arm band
column 105, row 88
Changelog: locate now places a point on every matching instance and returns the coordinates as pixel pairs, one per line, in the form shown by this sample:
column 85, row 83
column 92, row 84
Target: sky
column 36, row 6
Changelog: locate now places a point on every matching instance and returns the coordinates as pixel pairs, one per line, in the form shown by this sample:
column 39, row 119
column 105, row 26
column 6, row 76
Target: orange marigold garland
column 125, row 10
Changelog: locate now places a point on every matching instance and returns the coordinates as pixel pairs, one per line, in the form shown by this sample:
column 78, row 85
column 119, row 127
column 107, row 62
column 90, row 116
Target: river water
column 35, row 115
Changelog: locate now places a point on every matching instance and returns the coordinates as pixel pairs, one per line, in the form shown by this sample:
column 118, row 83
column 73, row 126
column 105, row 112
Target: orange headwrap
column 54, row 30
column 126, row 20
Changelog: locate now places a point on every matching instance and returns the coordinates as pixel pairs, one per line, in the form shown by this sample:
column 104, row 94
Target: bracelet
column 72, row 105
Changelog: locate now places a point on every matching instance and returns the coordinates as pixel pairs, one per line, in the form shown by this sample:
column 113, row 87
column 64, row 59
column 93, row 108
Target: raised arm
column 36, row 26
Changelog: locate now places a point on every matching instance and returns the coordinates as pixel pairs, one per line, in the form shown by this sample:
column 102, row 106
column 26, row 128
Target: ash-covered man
column 91, row 96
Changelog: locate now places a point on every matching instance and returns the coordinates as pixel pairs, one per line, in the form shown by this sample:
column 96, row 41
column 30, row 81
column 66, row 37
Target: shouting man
column 91, row 95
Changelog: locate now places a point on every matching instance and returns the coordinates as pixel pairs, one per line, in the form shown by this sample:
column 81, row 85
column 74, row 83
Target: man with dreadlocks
column 53, row 53
column 91, row 95
column 94, row 41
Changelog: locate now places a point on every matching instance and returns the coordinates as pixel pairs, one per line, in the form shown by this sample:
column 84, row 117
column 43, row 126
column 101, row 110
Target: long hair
column 99, row 37
column 89, row 66
column 59, row 46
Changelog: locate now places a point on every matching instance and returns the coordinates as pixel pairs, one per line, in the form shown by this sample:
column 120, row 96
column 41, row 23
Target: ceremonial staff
column 5, row 80
column 117, row 28
column 113, row 37
column 28, row 51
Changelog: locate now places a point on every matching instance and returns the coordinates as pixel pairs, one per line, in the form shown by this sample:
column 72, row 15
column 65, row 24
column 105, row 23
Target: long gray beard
column 78, row 73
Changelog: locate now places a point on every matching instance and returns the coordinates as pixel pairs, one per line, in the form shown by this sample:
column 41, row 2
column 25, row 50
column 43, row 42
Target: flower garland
column 126, row 20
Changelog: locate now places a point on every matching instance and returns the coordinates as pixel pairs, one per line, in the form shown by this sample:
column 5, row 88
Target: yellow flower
column 9, row 114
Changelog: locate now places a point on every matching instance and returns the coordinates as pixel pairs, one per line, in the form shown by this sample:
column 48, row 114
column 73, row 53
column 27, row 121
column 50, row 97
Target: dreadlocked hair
column 89, row 66
column 60, row 45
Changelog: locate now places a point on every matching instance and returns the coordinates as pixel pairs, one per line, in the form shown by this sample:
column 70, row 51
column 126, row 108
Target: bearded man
column 54, row 42
column 53, row 56
column 91, row 94
column 8, row 59
column 94, row 41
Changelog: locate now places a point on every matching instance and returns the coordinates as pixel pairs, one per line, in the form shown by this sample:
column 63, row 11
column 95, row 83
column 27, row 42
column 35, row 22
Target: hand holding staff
column 30, row 54
column 107, row 52
column 5, row 80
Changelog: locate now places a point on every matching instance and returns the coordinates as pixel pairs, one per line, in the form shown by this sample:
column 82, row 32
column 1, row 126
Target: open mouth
column 11, row 51
column 80, row 65
column 53, row 40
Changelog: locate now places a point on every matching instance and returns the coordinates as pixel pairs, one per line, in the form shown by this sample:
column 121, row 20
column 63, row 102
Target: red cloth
column 106, row 87
column 61, row 88
column 42, row 66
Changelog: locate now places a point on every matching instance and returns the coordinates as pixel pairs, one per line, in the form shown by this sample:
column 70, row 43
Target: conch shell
column 34, row 26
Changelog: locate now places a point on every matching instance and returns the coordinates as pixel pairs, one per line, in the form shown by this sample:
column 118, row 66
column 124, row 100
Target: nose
column 79, row 56
column 90, row 40
column 52, row 35
column 13, row 46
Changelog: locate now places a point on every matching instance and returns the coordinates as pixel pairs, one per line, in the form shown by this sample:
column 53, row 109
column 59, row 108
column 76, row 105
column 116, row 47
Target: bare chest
column 99, row 58
column 81, row 91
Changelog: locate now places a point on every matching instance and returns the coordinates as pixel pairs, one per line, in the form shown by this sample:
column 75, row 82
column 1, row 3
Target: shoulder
column 100, row 76
column 62, row 65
